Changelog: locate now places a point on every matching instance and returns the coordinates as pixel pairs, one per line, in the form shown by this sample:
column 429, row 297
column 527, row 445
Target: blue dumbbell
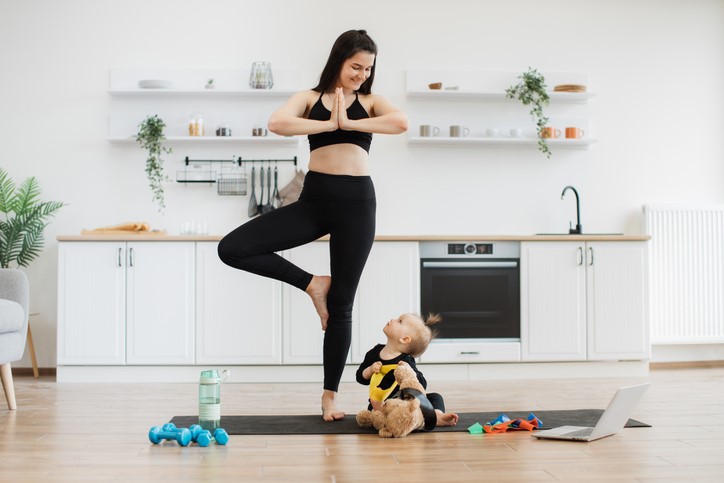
column 221, row 436
column 198, row 435
column 182, row 436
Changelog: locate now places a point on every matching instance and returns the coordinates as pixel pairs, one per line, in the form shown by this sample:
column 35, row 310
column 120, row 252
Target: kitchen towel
column 313, row 423
column 128, row 228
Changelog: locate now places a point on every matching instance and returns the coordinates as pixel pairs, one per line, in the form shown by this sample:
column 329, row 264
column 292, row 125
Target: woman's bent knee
column 228, row 252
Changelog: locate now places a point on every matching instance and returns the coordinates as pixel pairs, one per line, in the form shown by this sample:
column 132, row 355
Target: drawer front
column 441, row 351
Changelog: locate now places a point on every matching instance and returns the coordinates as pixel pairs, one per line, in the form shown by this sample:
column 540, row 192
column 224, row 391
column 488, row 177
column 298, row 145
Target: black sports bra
column 321, row 113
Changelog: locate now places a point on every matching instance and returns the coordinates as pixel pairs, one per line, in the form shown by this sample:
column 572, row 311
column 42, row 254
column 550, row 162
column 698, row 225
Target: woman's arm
column 385, row 119
column 289, row 119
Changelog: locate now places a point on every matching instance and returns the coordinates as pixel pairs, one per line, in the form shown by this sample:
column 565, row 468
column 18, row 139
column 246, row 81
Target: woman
column 339, row 116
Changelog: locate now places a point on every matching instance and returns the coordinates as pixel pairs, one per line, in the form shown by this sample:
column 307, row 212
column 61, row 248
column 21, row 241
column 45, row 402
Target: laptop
column 613, row 419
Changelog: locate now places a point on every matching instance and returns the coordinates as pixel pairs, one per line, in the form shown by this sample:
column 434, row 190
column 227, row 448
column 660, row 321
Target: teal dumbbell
column 221, row 436
column 182, row 436
column 198, row 435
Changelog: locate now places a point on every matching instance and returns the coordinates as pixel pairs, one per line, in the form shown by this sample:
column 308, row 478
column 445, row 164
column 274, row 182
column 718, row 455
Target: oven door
column 477, row 299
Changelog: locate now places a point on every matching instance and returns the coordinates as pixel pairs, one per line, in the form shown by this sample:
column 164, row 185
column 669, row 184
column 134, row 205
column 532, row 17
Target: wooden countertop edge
column 462, row 238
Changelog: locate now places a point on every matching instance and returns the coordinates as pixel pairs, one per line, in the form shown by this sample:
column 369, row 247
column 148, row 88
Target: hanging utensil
column 260, row 206
column 268, row 206
column 275, row 197
column 253, row 207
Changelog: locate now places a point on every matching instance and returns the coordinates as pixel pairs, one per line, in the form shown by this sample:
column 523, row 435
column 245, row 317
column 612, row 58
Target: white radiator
column 686, row 273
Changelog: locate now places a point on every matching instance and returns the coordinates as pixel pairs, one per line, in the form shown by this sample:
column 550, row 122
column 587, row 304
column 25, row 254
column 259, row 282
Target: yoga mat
column 313, row 424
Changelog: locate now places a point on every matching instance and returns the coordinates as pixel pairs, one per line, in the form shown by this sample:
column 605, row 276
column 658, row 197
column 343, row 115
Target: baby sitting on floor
column 408, row 336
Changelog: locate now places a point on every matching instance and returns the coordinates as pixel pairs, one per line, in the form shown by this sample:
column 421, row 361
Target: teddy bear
column 404, row 413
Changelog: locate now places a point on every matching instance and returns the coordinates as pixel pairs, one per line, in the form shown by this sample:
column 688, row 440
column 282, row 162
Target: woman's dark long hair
column 346, row 45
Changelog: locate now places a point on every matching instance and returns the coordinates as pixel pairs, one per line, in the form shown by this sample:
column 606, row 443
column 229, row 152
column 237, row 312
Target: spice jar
column 223, row 129
column 196, row 123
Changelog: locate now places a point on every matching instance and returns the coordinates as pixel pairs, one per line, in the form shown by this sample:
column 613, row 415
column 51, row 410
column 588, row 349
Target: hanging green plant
column 150, row 137
column 23, row 220
column 531, row 90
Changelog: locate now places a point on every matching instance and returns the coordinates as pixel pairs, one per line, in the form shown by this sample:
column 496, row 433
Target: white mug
column 459, row 131
column 515, row 132
column 492, row 132
column 427, row 130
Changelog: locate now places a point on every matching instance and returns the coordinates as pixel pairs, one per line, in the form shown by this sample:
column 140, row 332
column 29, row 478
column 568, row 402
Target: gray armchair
column 14, row 301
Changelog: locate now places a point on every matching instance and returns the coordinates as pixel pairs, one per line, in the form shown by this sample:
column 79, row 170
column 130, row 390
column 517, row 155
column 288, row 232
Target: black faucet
column 579, row 229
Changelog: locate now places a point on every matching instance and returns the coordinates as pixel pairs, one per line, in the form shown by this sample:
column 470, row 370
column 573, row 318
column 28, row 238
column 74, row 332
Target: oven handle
column 470, row 264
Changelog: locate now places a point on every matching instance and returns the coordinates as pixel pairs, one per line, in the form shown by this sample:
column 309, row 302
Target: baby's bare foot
column 318, row 289
column 329, row 408
column 446, row 419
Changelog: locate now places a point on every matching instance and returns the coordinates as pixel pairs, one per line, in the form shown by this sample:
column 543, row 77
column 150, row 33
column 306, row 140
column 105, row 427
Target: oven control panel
column 482, row 249
column 469, row 248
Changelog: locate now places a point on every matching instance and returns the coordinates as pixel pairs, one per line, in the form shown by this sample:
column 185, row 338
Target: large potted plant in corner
column 531, row 91
column 150, row 137
column 24, row 217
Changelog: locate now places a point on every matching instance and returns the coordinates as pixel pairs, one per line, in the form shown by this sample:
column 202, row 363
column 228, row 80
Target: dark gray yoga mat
column 313, row 424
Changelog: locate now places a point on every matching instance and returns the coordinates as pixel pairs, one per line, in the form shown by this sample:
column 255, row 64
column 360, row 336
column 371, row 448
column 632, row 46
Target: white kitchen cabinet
column 617, row 309
column 238, row 314
column 92, row 303
column 125, row 303
column 583, row 301
column 553, row 301
column 160, row 284
column 390, row 286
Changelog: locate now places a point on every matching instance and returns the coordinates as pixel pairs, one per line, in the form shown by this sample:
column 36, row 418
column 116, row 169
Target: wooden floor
column 98, row 433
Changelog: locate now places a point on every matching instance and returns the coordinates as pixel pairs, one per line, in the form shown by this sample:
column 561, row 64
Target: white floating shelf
column 278, row 140
column 246, row 93
column 498, row 142
column 466, row 95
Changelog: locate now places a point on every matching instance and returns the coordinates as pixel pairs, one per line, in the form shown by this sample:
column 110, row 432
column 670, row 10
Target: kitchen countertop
column 532, row 238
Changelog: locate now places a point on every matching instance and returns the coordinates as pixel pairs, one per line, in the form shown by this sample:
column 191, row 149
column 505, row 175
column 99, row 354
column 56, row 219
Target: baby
column 407, row 337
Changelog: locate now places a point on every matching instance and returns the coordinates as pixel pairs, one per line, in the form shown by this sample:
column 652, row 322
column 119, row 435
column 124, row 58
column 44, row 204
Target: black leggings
column 340, row 206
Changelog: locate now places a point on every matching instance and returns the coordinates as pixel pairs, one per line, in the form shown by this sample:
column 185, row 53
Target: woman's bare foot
column 318, row 289
column 446, row 419
column 329, row 408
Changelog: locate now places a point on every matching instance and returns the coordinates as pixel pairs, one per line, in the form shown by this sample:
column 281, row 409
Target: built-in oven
column 474, row 286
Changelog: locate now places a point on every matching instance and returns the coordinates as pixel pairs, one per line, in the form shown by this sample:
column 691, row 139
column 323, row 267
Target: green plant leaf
column 7, row 192
column 531, row 90
column 26, row 217
column 27, row 195
column 150, row 137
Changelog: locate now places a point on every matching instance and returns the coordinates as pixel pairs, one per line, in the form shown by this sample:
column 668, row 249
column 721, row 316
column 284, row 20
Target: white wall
column 657, row 68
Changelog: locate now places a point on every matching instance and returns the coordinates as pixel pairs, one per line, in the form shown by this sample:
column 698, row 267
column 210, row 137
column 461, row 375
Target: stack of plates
column 155, row 84
column 569, row 88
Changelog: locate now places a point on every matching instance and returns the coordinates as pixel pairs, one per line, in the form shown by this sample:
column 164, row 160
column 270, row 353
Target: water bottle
column 210, row 398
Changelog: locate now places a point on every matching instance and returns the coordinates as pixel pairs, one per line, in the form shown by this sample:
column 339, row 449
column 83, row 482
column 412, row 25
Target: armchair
column 14, row 302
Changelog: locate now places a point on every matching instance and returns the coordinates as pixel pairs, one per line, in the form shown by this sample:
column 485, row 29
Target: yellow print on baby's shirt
column 382, row 384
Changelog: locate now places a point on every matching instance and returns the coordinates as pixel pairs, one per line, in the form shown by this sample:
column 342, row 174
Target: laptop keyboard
column 579, row 432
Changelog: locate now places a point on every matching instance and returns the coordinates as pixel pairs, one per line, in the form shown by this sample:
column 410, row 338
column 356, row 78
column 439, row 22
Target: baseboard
column 28, row 371
column 685, row 364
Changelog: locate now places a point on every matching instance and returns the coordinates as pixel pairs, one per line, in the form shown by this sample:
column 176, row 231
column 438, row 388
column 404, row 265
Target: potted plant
column 531, row 90
column 24, row 217
column 150, row 136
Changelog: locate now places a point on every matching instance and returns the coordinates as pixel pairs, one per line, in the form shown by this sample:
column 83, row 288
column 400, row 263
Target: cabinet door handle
column 469, row 353
column 120, row 264
column 130, row 257
column 590, row 252
column 580, row 256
